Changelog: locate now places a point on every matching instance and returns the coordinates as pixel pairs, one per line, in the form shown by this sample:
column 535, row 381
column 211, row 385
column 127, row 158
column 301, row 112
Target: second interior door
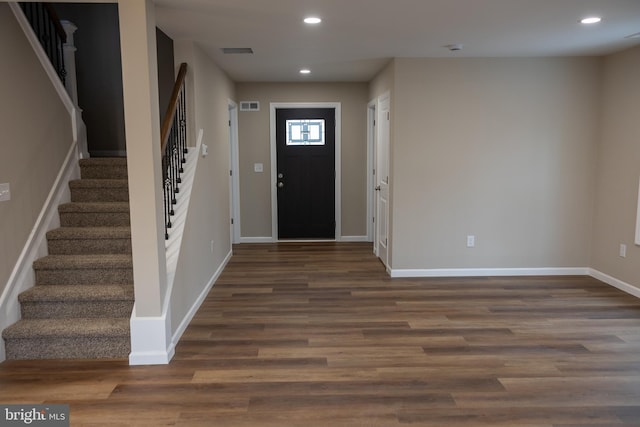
column 305, row 145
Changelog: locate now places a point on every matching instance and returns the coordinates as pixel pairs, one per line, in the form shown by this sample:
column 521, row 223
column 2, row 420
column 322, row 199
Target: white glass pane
column 305, row 132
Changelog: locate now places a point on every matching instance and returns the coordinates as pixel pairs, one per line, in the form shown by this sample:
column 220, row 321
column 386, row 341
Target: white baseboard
column 480, row 272
column 354, row 239
column 616, row 283
column 196, row 305
column 150, row 339
column 22, row 276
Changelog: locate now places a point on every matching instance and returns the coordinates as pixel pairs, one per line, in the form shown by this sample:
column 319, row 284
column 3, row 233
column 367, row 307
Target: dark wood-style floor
column 318, row 335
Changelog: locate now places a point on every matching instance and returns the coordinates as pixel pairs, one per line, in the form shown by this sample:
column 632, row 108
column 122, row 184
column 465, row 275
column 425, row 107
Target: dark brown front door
column 305, row 141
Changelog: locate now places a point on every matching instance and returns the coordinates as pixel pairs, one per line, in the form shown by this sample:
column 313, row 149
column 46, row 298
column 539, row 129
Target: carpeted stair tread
column 99, row 190
column 80, row 262
column 70, row 293
column 94, row 214
column 80, row 233
column 94, row 207
column 70, row 328
column 103, row 161
column 104, row 168
column 99, row 183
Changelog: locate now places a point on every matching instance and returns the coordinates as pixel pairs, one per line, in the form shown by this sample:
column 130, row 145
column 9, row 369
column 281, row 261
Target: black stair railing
column 174, row 146
column 47, row 27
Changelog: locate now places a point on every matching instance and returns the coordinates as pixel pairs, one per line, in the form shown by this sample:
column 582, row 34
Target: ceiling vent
column 234, row 50
column 249, row 106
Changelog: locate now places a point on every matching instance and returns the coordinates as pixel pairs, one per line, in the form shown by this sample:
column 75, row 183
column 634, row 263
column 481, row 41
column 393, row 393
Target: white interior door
column 382, row 179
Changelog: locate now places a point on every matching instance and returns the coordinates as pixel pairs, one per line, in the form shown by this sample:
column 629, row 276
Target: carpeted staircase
column 82, row 301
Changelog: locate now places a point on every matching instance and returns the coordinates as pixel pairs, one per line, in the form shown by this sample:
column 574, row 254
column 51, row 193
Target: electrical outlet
column 5, row 192
column 471, row 241
column 623, row 250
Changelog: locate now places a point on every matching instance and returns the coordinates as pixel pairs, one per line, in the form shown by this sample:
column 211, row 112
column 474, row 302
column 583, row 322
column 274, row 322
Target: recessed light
column 591, row 20
column 305, row 71
column 312, row 20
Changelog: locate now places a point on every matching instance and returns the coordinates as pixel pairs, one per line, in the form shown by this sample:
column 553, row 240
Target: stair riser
column 68, row 348
column 103, row 172
column 97, row 276
column 76, row 309
column 92, row 195
column 89, row 246
column 94, row 219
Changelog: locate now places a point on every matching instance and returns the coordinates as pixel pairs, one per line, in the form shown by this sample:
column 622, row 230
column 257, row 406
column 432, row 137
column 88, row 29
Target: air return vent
column 231, row 50
column 249, row 105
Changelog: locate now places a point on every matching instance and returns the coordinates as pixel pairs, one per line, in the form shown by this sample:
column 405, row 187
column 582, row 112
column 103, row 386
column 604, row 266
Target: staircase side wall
column 206, row 244
column 35, row 142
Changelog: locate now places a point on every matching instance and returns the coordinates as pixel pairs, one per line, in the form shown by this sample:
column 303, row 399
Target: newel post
column 69, row 52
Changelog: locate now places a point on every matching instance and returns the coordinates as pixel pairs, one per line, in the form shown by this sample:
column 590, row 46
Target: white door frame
column 371, row 183
column 234, row 171
column 383, row 111
column 337, row 106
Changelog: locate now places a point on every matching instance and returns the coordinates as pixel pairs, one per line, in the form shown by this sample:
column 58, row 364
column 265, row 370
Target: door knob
column 280, row 175
column 377, row 188
column 280, row 184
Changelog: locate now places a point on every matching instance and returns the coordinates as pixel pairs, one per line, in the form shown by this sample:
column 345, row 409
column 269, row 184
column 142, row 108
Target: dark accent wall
column 166, row 70
column 99, row 73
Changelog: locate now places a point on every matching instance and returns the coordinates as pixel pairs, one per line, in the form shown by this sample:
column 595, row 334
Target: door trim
column 371, row 147
column 273, row 106
column 234, row 169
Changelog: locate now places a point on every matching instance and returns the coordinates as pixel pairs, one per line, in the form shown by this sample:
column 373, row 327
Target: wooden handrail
column 56, row 22
column 171, row 109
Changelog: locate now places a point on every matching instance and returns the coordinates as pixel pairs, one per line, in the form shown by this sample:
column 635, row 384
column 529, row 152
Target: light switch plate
column 258, row 167
column 5, row 192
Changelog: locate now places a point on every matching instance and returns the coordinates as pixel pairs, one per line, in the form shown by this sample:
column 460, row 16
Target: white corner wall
column 502, row 149
column 618, row 173
column 206, row 244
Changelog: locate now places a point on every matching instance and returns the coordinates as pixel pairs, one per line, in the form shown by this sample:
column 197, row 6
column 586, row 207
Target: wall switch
column 258, row 167
column 623, row 250
column 5, row 192
column 471, row 241
column 212, row 246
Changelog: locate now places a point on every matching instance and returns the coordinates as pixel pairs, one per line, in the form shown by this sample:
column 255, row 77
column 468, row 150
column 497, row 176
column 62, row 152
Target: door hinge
column 386, row 242
column 231, row 221
column 388, row 116
column 231, row 172
column 229, row 123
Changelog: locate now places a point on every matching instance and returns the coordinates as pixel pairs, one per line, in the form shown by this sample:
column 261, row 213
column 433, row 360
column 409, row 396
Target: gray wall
column 36, row 136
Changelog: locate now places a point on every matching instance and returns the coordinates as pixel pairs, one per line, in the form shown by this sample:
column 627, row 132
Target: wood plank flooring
column 317, row 335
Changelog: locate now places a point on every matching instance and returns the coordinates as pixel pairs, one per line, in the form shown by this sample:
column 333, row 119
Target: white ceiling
column 358, row 37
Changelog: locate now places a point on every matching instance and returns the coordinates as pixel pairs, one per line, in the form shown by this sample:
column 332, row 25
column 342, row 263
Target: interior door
column 382, row 180
column 305, row 150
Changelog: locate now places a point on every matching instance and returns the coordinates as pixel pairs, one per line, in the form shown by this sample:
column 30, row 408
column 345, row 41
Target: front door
column 305, row 145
